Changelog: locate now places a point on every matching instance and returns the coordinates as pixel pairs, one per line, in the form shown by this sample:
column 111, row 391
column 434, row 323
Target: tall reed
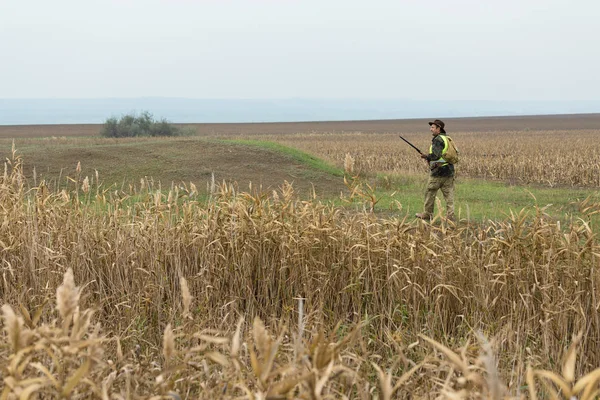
column 526, row 280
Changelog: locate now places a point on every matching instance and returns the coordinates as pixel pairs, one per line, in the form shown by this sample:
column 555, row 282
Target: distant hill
column 178, row 110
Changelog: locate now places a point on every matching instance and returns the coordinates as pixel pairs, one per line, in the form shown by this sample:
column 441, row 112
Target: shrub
column 163, row 128
column 132, row 125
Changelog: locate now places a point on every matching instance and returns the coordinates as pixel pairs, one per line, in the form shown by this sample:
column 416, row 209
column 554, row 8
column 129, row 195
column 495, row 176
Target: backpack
column 451, row 153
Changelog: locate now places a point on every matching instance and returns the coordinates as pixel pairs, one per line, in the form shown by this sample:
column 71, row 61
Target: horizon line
column 344, row 120
column 301, row 98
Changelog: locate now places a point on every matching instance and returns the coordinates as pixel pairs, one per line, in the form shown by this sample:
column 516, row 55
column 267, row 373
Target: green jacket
column 437, row 147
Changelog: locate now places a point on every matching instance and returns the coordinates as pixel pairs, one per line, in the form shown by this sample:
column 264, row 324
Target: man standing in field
column 441, row 175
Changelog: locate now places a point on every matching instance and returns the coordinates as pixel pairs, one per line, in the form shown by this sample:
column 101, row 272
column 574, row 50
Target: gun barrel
column 411, row 145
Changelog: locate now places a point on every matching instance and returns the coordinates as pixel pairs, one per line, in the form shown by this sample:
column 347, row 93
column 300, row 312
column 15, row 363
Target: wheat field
column 549, row 158
column 153, row 294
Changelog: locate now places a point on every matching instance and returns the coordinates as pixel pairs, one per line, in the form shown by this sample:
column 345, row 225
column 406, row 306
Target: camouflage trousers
column 446, row 185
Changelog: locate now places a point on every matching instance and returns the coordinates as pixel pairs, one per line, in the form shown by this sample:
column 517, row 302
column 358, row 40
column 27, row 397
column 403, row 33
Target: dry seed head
column 168, row 343
column 261, row 337
column 213, row 185
column 236, row 340
column 568, row 370
column 13, row 326
column 86, row 185
column 495, row 386
column 186, row 297
column 349, row 164
column 78, row 169
column 67, row 296
column 385, row 382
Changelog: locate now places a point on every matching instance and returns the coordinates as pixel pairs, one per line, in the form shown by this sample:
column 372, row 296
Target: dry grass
column 552, row 158
column 68, row 357
column 169, row 279
column 548, row 158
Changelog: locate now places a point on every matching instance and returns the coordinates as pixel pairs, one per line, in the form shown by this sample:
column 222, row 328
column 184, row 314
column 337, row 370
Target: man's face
column 435, row 130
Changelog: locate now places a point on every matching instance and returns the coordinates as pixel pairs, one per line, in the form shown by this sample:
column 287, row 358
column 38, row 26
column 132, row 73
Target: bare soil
column 476, row 124
column 176, row 160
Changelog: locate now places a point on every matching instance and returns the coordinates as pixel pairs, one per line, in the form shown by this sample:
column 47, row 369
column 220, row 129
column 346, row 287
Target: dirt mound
column 179, row 160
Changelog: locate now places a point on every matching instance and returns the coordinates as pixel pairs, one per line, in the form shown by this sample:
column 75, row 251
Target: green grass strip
column 481, row 200
column 295, row 154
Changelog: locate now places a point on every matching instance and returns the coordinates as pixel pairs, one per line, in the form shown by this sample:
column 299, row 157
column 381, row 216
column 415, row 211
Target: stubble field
column 267, row 294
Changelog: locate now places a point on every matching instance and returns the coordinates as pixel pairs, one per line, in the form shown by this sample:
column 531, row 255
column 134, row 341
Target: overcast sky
column 377, row 49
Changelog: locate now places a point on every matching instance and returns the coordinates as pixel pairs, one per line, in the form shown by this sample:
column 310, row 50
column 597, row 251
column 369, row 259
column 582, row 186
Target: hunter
column 441, row 174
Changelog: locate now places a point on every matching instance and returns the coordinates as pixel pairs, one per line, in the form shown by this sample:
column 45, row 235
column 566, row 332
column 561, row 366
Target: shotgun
column 411, row 145
column 431, row 167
